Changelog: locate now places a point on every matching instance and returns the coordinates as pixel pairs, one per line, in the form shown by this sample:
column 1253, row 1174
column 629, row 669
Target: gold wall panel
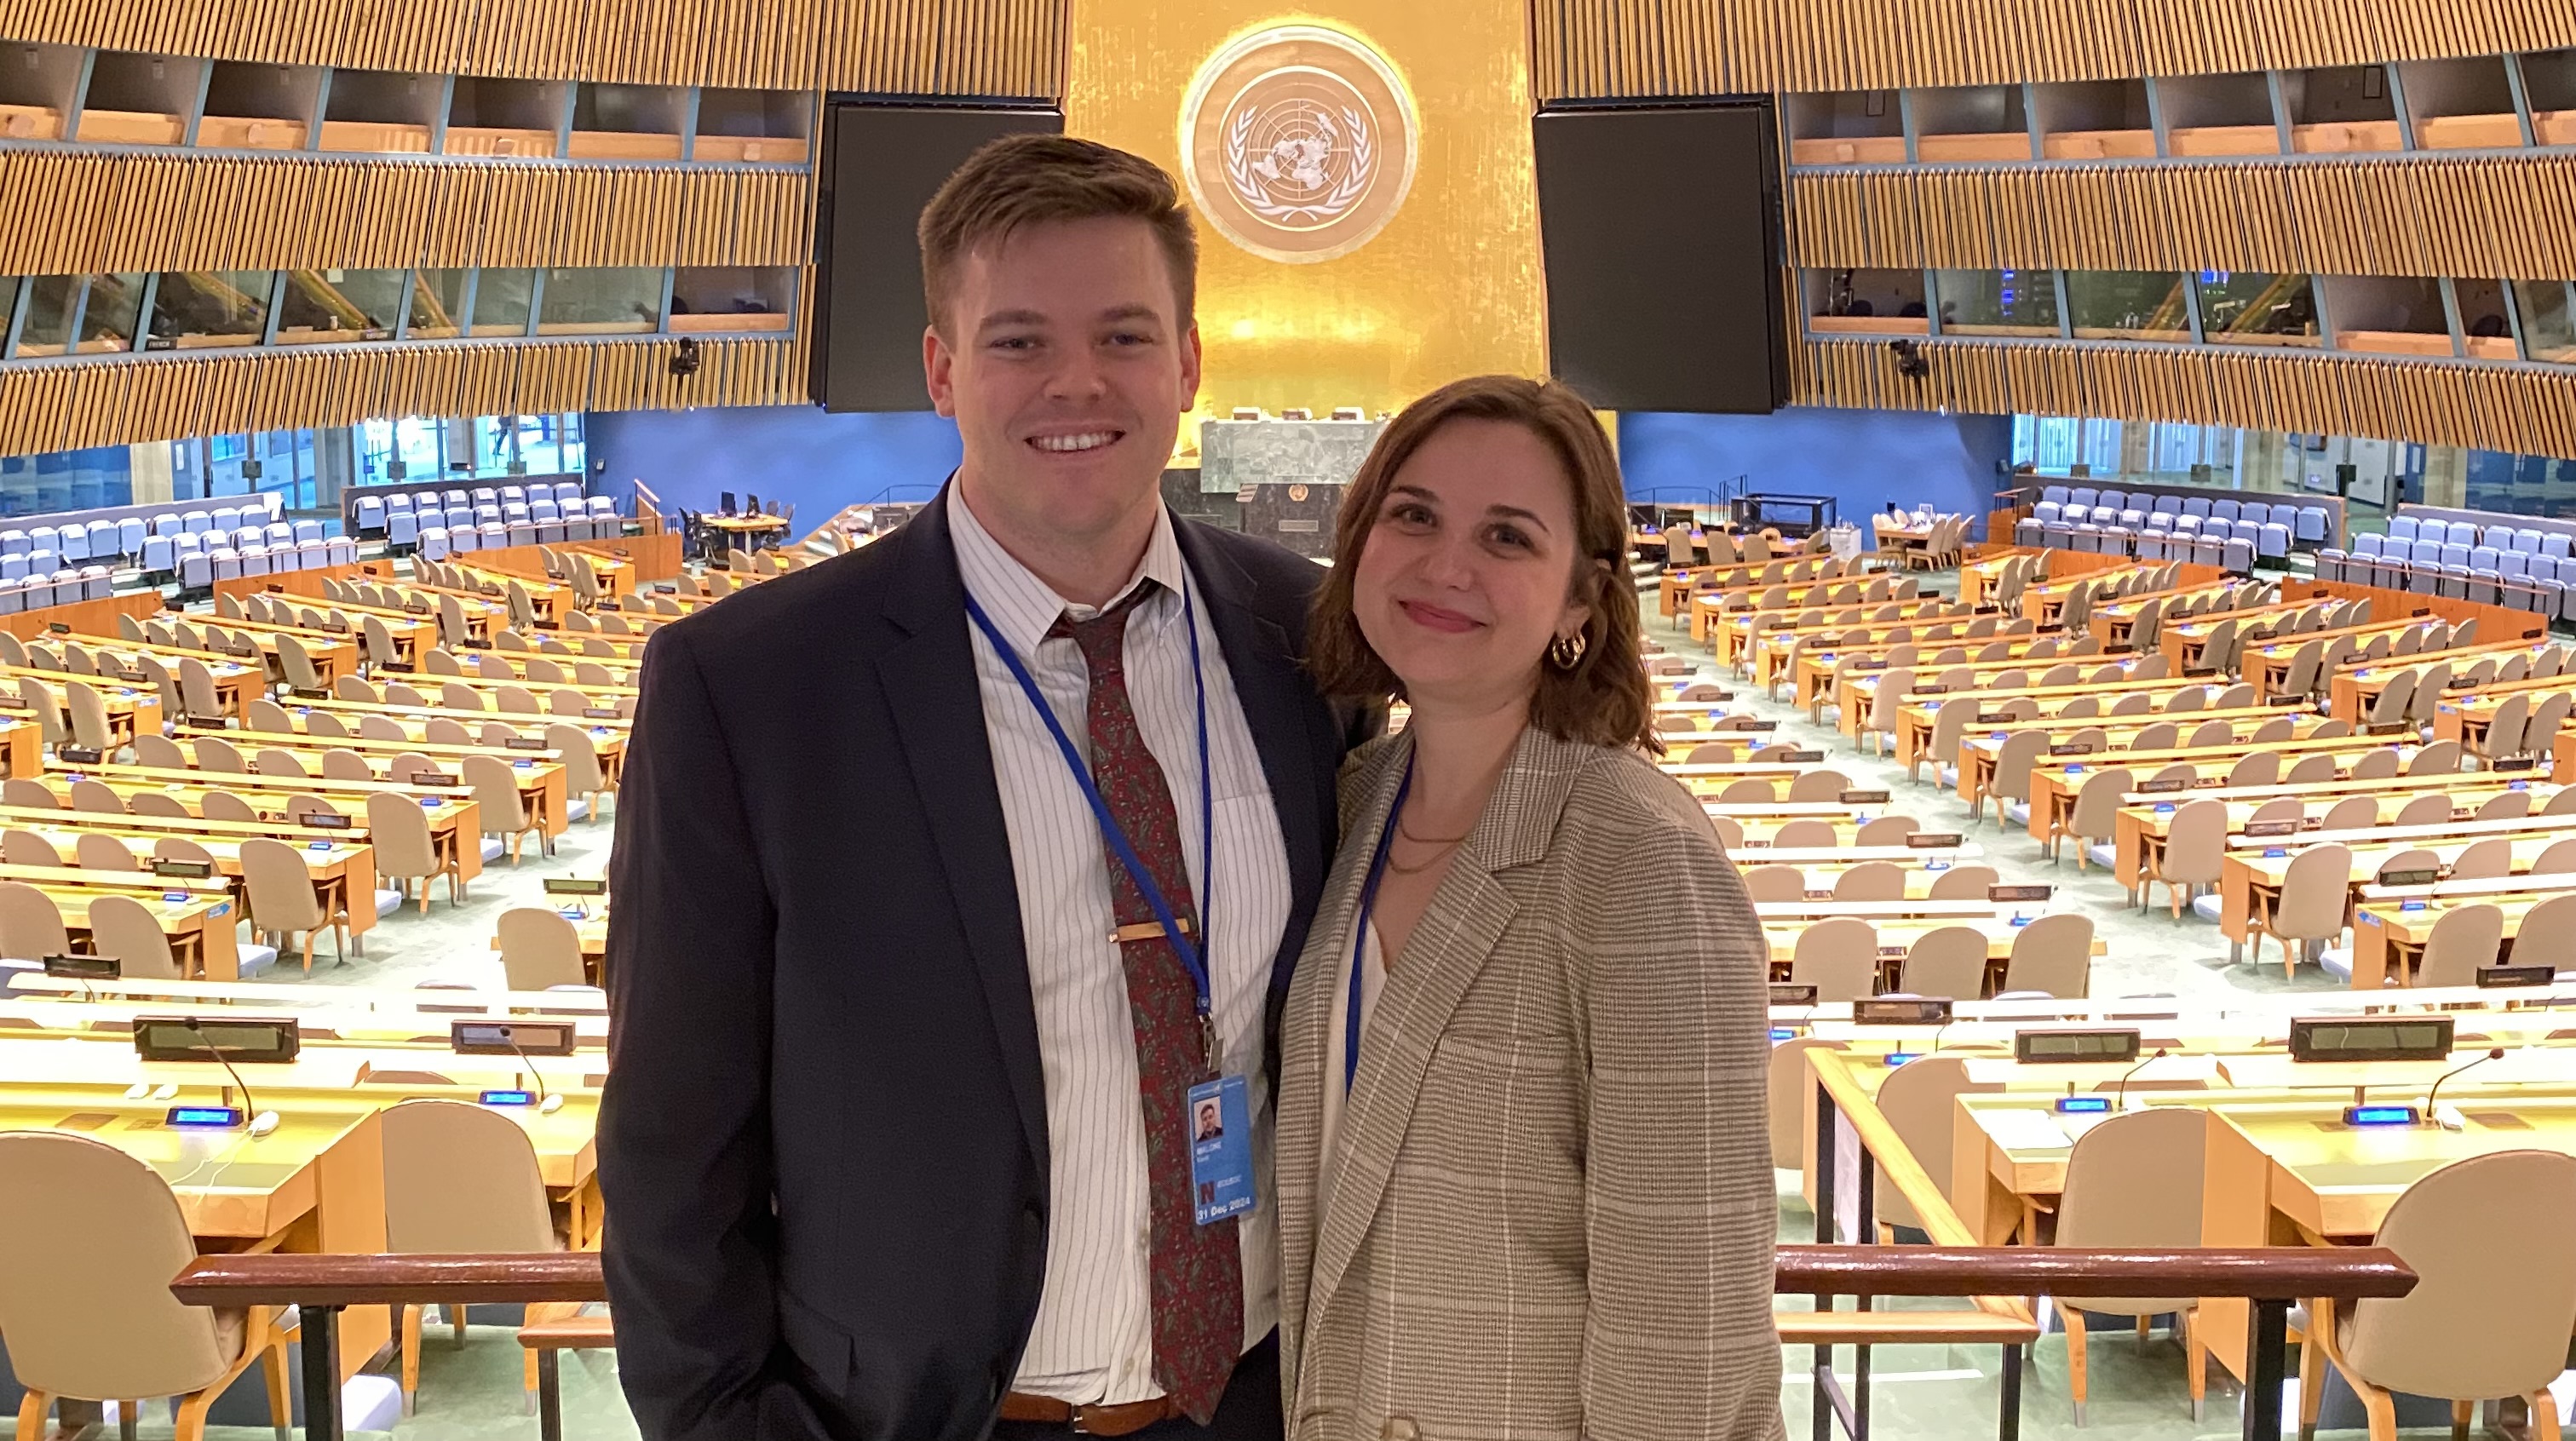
column 61, row 407
column 176, row 211
column 923, row 47
column 1450, row 287
column 1705, row 47
column 2527, row 409
column 2413, row 215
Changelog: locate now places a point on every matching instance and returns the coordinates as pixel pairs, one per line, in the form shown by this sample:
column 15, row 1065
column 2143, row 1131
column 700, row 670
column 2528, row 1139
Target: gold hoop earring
column 1567, row 651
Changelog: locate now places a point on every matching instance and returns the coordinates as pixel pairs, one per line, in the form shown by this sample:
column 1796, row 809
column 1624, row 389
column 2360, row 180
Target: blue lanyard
column 1359, row 932
column 1192, row 954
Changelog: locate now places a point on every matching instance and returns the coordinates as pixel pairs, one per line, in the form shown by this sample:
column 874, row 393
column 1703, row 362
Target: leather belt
column 1120, row 1420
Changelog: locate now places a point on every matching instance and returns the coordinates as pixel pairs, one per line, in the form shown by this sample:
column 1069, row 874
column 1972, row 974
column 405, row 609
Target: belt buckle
column 1076, row 1422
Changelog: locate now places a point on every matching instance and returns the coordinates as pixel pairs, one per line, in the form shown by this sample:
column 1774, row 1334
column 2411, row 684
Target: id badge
column 1220, row 1122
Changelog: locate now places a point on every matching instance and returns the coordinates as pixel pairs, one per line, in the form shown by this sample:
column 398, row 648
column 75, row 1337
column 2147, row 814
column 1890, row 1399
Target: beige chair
column 441, row 661
column 2310, row 906
column 99, row 851
column 2374, row 766
column 511, row 640
column 282, row 900
column 496, row 797
column 1805, row 833
column 1821, row 785
column 2309, row 770
column 1871, row 881
column 2430, row 808
column 1964, row 883
column 2440, row 758
column 2097, row 809
column 31, row 927
column 214, row 753
column 2463, row 942
column 351, row 688
column 1886, row 831
column 540, row 948
column 1751, row 790
column 296, row 664
column 458, row 1179
column 274, row 762
column 300, row 809
column 456, row 695
column 341, row 764
column 1919, row 1100
column 123, row 927
column 28, row 848
column 381, row 728
column 28, row 793
column 2195, row 843
column 90, row 729
column 160, row 752
column 2053, row 955
column 1946, row 961
column 587, row 781
column 2483, row 860
column 197, row 691
column 1837, row 956
column 1773, row 883
column 2134, row 1181
column 407, row 767
column 2505, row 806
column 406, row 850
column 516, row 700
column 90, row 1237
column 260, row 713
column 226, row 806
column 96, row 797
column 441, row 730
column 325, row 725
column 158, row 803
column 2487, row 1318
column 1790, row 1087
column 2010, row 786
column 492, row 666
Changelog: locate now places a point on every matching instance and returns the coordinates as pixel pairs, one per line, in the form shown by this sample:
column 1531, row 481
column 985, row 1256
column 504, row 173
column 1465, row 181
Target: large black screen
column 1661, row 229
column 881, row 164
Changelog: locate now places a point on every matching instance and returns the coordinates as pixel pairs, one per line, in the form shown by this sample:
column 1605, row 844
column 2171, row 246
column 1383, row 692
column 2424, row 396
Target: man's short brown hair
column 1037, row 179
column 1604, row 699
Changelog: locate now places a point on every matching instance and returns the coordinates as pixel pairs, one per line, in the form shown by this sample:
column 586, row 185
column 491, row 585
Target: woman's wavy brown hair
column 1604, row 700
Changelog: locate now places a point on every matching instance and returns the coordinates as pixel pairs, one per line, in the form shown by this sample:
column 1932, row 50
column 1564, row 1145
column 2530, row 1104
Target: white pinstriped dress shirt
column 1093, row 1341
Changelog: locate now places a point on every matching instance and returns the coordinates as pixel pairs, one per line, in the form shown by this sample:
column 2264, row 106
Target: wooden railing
column 321, row 1286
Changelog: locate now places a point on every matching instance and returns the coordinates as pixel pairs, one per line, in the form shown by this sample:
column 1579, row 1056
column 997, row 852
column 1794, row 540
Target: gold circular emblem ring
column 1299, row 143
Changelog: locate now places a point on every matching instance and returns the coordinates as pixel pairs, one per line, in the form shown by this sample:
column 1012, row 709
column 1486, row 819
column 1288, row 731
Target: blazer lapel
column 939, row 715
column 1448, row 949
column 1281, row 710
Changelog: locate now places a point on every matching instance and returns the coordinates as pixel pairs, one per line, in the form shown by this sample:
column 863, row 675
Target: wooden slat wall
column 176, row 211
column 2527, row 409
column 923, row 47
column 2390, row 215
column 61, row 407
column 1592, row 48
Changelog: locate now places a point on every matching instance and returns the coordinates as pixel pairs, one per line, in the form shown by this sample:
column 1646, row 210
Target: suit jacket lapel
column 1448, row 949
column 1277, row 705
column 939, row 714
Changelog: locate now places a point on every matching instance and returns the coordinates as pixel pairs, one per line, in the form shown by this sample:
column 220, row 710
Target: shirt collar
column 1024, row 608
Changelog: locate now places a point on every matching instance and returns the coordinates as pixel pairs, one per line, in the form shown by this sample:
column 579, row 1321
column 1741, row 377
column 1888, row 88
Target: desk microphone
column 261, row 1122
column 2455, row 1122
column 2120, row 1096
column 547, row 1105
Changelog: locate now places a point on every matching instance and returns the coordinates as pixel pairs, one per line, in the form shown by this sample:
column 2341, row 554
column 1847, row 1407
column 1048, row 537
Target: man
column 909, row 1018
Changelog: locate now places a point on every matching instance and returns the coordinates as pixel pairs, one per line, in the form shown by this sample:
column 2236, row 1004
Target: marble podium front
column 1236, row 454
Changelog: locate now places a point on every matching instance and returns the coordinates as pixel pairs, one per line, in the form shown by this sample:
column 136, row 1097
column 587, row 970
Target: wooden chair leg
column 31, row 1415
column 2462, row 1412
column 192, row 1413
column 281, row 1402
column 2544, row 1415
column 2074, row 1358
column 410, row 1359
column 129, row 1418
column 2195, row 1360
column 2379, row 1406
column 2312, row 1369
column 456, row 1320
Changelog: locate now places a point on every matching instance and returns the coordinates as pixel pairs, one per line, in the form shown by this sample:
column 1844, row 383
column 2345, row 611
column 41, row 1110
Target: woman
column 1536, row 1201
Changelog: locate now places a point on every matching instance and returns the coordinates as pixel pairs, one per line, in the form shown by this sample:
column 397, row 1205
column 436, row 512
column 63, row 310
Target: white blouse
column 1372, row 961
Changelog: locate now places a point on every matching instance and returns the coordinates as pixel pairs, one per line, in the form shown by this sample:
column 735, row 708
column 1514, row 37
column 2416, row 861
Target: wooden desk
column 1979, row 753
column 2044, row 600
column 198, row 916
column 236, row 683
column 1914, row 720
column 132, row 709
column 2268, row 665
column 2182, row 641
column 1706, row 606
column 455, row 822
column 2110, row 620
column 2250, row 873
column 1733, row 635
column 539, row 773
column 2054, row 782
column 1858, row 690
column 1979, row 578
column 2391, row 923
column 2144, row 819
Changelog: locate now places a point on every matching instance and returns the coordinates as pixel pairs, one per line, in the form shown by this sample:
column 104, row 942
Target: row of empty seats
column 2205, row 547
column 2082, row 503
column 437, row 542
column 2466, row 532
column 2536, row 582
column 41, row 548
column 200, row 567
column 58, row 587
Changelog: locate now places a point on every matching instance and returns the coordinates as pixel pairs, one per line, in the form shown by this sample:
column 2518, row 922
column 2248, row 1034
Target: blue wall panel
column 1862, row 458
column 787, row 455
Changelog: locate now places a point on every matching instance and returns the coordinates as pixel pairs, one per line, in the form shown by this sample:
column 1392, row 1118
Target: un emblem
column 1299, row 143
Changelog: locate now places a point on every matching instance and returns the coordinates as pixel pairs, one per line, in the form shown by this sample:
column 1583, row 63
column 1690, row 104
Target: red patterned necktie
column 1197, row 1270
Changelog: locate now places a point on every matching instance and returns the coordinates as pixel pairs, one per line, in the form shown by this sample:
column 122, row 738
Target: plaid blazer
column 1554, row 1211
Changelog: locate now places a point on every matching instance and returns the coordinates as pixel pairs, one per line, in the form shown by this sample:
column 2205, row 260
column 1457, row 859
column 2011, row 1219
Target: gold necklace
column 1407, row 832
column 1437, row 857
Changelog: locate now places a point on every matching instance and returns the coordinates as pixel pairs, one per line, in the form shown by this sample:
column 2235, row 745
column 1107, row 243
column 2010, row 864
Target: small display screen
column 2410, row 1038
column 2018, row 893
column 205, row 1116
column 511, row 1038
column 191, row 870
column 2083, row 1105
column 1935, row 840
column 1911, row 1011
column 84, row 968
column 194, row 1038
column 2379, row 1115
column 508, row 1098
column 1864, row 798
column 576, row 886
column 2054, row 1047
column 2493, row 977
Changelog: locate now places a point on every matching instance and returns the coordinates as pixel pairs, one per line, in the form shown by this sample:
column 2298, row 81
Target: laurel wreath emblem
column 1256, row 197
